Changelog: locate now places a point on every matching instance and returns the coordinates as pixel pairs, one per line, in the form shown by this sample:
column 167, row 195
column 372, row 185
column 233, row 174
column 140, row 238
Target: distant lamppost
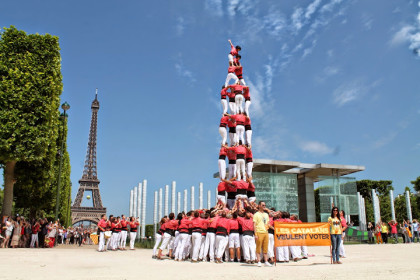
column 65, row 106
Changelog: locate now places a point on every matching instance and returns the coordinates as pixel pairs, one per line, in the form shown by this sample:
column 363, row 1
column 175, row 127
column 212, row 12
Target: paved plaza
column 69, row 262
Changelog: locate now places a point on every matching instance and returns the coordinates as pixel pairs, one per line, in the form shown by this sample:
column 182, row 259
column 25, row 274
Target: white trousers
column 270, row 245
column 188, row 246
column 221, row 242
column 118, row 240
column 101, row 246
column 242, row 82
column 295, row 251
column 114, row 240
column 34, row 239
column 180, row 249
column 167, row 239
column 240, row 130
column 304, row 251
column 123, row 239
column 252, row 199
column 209, row 246
column 248, row 137
column 282, row 253
column 158, row 239
column 239, row 99
column 240, row 169
column 222, row 198
column 232, row 170
column 249, row 166
column 230, row 57
column 342, row 251
column 196, row 243
column 133, row 240
column 223, row 133
column 224, row 105
column 232, row 138
column 247, row 104
column 202, row 247
column 232, row 108
column 229, row 77
column 249, row 247
column 222, row 168
column 176, row 241
column 234, row 240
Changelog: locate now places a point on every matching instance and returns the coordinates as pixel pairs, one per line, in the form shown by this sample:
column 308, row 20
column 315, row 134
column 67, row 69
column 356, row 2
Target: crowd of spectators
column 384, row 232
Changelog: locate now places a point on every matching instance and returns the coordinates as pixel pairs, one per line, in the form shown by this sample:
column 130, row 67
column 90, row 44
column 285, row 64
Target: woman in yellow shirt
column 336, row 230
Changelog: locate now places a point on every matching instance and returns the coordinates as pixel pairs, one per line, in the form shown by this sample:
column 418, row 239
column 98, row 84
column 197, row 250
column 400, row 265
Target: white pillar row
column 143, row 216
column 139, row 209
column 155, row 213
column 185, row 201
column 131, row 202
column 160, row 204
column 391, row 199
column 200, row 196
column 173, row 196
column 208, row 199
column 166, row 201
column 192, row 198
column 179, row 202
column 408, row 205
column 364, row 213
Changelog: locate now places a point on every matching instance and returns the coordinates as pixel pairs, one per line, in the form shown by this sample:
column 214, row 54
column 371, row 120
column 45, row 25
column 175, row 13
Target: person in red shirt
column 248, row 244
column 231, row 75
column 248, row 131
column 221, row 192
column 234, row 241
column 124, row 229
column 223, row 95
column 232, row 104
column 209, row 247
column 102, row 228
column 240, row 152
column 222, row 128
column 251, row 190
column 231, row 154
column 232, row 130
column 35, row 230
column 204, row 227
column 233, row 52
column 222, row 161
column 183, row 226
column 196, row 228
column 240, row 127
column 241, row 189
column 249, row 162
column 238, row 89
column 231, row 192
column 171, row 225
column 238, row 70
column 247, row 98
column 222, row 233
column 134, row 223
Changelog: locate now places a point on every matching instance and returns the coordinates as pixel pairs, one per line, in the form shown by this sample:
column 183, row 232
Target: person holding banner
column 261, row 225
column 336, row 231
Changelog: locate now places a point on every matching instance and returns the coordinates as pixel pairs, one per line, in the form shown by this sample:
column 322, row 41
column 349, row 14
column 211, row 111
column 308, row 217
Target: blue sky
column 332, row 81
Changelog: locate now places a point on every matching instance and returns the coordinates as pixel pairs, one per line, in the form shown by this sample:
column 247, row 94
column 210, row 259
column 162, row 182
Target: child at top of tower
column 233, row 52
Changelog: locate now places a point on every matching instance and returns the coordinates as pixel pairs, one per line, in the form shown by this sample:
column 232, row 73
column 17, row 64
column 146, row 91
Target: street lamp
column 65, row 106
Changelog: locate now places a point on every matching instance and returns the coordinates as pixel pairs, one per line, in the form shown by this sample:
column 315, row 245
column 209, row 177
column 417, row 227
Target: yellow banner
column 301, row 234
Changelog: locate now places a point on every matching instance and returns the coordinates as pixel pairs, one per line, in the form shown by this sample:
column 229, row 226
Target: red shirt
column 213, row 222
column 232, row 121
column 238, row 72
column 248, row 154
column 185, row 224
column 231, row 154
column 224, row 121
column 236, row 61
column 171, row 224
column 224, row 224
column 196, row 223
column 246, row 224
column 247, row 121
column 251, row 187
column 233, row 224
column 231, row 93
column 233, row 51
column 240, row 150
column 133, row 226
column 242, row 185
column 35, row 229
column 237, row 88
column 223, row 93
column 223, row 151
column 222, row 186
column 246, row 93
column 102, row 223
column 231, row 187
column 240, row 119
column 123, row 224
column 231, row 69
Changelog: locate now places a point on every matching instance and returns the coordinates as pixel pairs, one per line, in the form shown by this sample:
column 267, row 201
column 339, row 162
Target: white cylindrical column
column 200, row 196
column 185, row 201
column 139, row 208
column 391, row 199
column 208, row 199
column 166, row 200
column 131, row 202
column 364, row 213
column 143, row 216
column 173, row 196
column 192, row 198
column 160, row 204
column 408, row 205
column 155, row 213
column 135, row 202
column 179, row 202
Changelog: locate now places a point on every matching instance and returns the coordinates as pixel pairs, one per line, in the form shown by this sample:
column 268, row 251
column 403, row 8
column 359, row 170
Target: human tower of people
column 236, row 229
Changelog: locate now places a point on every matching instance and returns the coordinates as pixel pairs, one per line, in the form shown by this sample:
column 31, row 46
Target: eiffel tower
column 89, row 181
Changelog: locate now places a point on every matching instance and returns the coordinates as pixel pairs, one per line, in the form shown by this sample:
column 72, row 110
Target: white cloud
column 385, row 139
column 214, row 7
column 183, row 71
column 330, row 6
column 402, row 36
column 367, row 22
column 312, row 8
column 315, row 147
column 274, row 23
column 348, row 92
column 297, row 19
column 180, row 26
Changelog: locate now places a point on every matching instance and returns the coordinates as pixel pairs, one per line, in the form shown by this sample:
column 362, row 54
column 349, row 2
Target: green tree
column 382, row 188
column 416, row 184
column 30, row 87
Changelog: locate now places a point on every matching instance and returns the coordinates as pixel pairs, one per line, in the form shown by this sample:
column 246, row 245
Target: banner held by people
column 302, row 234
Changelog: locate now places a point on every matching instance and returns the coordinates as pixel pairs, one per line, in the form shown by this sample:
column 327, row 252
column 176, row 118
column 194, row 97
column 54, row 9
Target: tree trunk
column 9, row 181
